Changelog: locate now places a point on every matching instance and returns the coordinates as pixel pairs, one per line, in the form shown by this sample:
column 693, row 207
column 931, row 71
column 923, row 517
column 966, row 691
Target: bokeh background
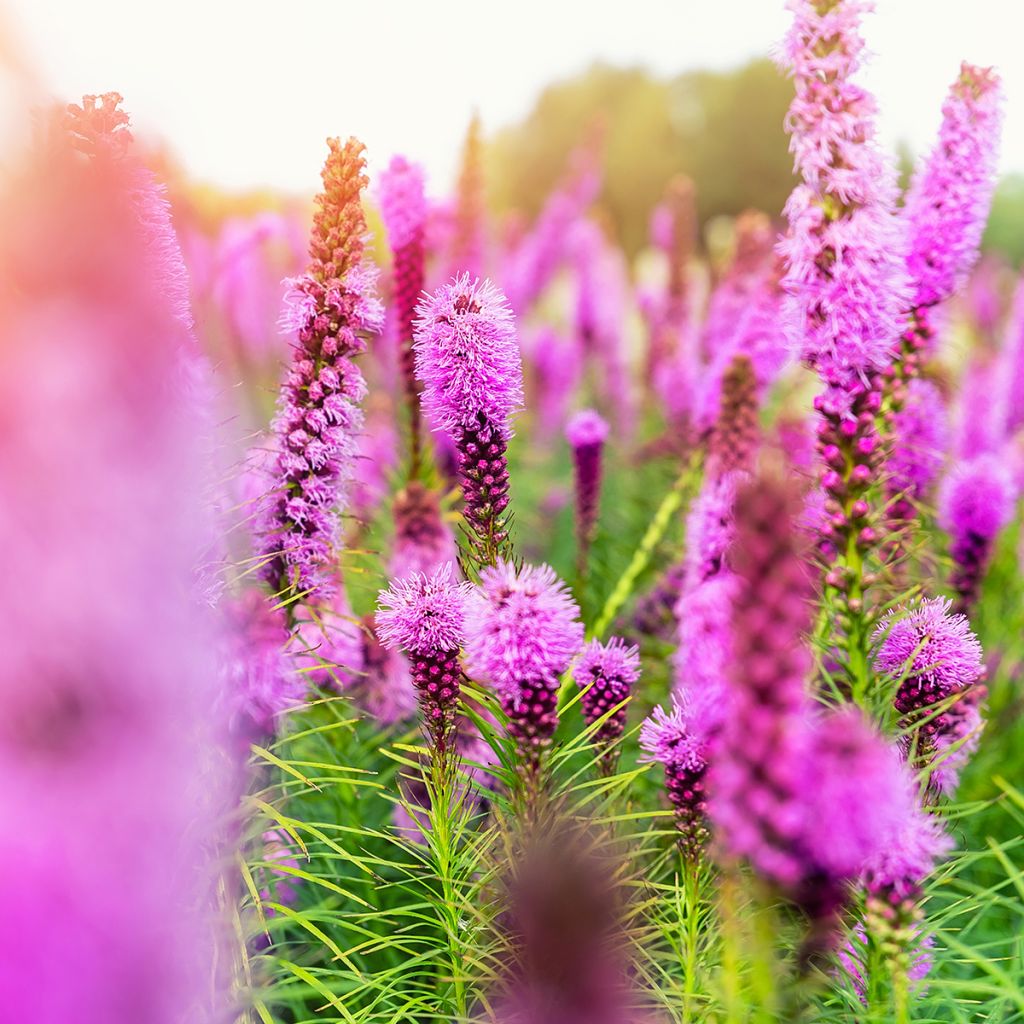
column 238, row 98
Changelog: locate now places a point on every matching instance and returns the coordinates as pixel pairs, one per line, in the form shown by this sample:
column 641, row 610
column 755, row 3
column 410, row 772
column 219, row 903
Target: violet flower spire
column 329, row 309
column 846, row 284
column 947, row 207
column 403, row 207
column 919, row 444
column 586, row 433
column 423, row 540
column 467, row 358
column 522, row 631
column 679, row 741
column 811, row 841
column 935, row 659
column 425, row 617
column 975, row 502
column 607, row 673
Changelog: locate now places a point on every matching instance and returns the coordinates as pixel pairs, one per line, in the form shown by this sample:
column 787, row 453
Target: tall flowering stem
column 945, row 213
column 467, row 358
column 846, row 286
column 469, row 240
column 404, row 209
column 586, row 433
column 424, row 616
column 329, row 310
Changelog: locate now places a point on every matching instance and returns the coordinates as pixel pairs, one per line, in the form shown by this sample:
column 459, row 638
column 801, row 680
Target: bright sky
column 245, row 91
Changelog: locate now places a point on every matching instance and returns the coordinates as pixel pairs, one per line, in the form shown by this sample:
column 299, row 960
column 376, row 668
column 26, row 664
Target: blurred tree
column 723, row 129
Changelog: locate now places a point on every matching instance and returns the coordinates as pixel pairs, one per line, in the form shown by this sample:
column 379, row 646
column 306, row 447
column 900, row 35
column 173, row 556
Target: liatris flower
column 920, row 440
column 844, row 269
column 734, row 439
column 654, row 614
column 606, row 673
column 385, row 688
column 423, row 540
column 468, row 235
column 586, row 433
column 329, row 308
column 975, row 503
column 522, row 630
column 404, row 210
column 113, row 733
column 845, row 279
column 948, row 201
column 279, row 856
column 468, row 361
column 260, row 680
column 679, row 740
column 424, row 616
column 934, row 656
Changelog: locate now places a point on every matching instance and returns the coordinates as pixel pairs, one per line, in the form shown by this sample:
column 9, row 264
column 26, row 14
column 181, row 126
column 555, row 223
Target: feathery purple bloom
column 710, row 527
column 467, row 358
column 522, row 630
column 425, row 616
column 948, row 201
column 606, row 673
column 975, row 502
column 677, row 741
column 328, row 309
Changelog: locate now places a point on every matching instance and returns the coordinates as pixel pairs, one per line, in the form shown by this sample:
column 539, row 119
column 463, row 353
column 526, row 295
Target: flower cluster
column 606, row 673
column 586, row 433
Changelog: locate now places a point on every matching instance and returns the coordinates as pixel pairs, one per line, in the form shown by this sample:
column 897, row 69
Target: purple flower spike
column 607, row 673
column 423, row 540
column 467, row 358
column 329, row 309
column 975, row 503
column 949, row 199
column 586, row 432
column 425, row 616
column 675, row 740
column 522, row 630
column 934, row 656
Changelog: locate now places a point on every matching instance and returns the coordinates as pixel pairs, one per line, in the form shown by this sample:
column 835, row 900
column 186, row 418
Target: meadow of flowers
column 480, row 625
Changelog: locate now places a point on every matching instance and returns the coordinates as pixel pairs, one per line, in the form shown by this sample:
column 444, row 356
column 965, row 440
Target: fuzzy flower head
column 667, row 737
column 949, row 199
column 586, row 428
column 402, row 203
column 613, row 660
column 930, row 645
column 467, row 357
column 521, row 626
column 907, row 860
column 976, row 498
column 423, row 614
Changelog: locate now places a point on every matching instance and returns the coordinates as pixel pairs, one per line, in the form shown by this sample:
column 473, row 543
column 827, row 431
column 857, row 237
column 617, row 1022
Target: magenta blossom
column 607, row 674
column 920, row 442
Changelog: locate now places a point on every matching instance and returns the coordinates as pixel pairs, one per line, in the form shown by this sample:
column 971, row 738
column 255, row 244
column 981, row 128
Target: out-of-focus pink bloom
column 586, row 433
column 112, row 739
column 1012, row 364
column 920, row 441
column 975, row 503
column 948, row 201
column 558, row 366
column 328, row 645
column 423, row 540
column 607, row 673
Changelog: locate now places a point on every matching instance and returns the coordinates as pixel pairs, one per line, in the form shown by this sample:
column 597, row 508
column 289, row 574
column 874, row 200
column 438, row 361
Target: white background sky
column 246, row 92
